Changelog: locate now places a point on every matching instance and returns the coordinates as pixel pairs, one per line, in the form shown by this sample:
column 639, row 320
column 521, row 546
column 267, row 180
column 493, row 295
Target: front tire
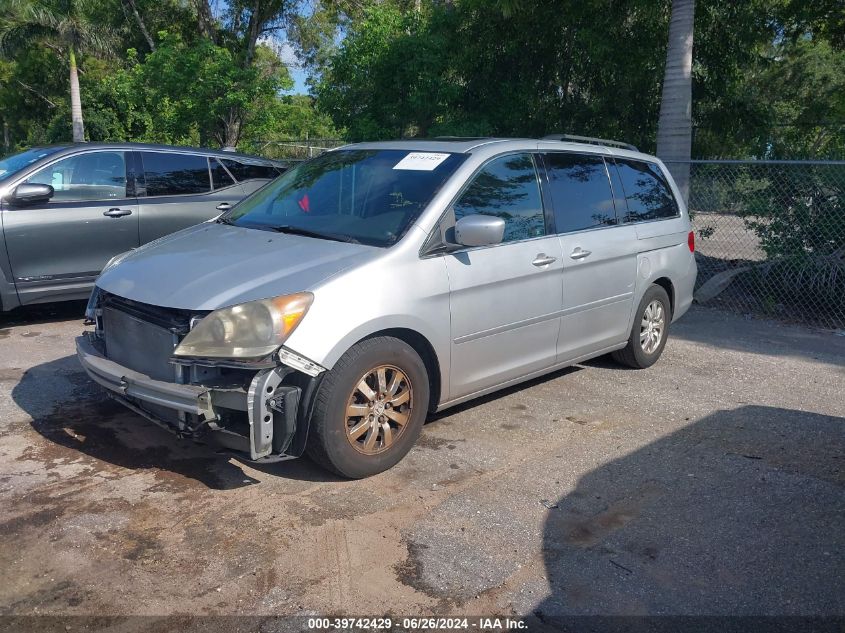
column 649, row 332
column 370, row 408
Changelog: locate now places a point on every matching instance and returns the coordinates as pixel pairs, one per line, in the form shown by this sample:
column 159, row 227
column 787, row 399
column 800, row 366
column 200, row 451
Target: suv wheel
column 649, row 332
column 370, row 408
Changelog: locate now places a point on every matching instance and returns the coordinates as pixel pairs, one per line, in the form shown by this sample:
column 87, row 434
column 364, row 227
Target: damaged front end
column 257, row 407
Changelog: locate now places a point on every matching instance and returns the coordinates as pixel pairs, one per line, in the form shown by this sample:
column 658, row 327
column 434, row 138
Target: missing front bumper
column 272, row 408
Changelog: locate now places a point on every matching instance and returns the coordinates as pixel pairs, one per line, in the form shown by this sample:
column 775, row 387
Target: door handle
column 224, row 206
column 117, row 213
column 579, row 254
column 543, row 260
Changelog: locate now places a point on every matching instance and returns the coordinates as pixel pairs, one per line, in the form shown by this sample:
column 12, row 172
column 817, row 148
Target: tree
column 63, row 27
column 674, row 127
column 240, row 28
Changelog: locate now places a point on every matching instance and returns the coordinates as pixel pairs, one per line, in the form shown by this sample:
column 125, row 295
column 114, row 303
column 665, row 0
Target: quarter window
column 646, row 191
column 507, row 187
column 250, row 171
column 89, row 176
column 169, row 174
column 580, row 190
column 219, row 176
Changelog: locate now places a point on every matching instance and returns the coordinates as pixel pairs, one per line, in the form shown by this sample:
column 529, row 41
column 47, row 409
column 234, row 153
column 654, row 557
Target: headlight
column 246, row 331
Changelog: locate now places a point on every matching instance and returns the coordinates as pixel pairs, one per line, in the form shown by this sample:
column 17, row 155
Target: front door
column 504, row 299
column 58, row 248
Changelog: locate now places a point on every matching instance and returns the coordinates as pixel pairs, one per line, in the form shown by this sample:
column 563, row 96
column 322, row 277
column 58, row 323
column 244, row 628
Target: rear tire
column 370, row 408
column 646, row 343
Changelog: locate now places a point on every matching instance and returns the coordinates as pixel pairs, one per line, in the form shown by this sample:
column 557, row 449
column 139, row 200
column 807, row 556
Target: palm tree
column 62, row 26
column 674, row 128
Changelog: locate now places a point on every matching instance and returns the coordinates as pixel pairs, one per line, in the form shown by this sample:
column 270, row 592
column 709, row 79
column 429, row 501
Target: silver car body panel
column 491, row 316
column 210, row 266
column 54, row 251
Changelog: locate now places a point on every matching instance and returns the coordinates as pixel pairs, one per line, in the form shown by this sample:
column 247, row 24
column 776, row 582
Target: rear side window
column 581, row 193
column 250, row 171
column 169, row 174
column 646, row 191
column 507, row 187
column 220, row 178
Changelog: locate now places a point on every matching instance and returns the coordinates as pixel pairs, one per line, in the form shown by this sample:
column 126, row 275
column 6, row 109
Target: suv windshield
column 10, row 165
column 366, row 196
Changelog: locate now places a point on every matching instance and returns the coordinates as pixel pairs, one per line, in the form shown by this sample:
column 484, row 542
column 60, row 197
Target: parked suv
column 370, row 286
column 65, row 210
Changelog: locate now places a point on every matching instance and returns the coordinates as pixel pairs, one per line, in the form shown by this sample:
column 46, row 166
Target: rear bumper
column 684, row 290
column 131, row 384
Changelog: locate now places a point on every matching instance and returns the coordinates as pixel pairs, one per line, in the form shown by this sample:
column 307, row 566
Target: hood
column 210, row 266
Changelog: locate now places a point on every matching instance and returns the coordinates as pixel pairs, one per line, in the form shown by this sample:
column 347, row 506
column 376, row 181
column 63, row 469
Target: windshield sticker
column 305, row 204
column 421, row 161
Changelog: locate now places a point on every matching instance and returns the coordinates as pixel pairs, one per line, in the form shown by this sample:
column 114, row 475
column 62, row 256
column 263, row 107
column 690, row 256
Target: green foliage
column 472, row 69
column 799, row 215
column 768, row 75
column 185, row 93
column 767, row 78
column 183, row 88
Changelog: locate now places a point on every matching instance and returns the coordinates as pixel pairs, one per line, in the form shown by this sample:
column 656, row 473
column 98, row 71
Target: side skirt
column 531, row 376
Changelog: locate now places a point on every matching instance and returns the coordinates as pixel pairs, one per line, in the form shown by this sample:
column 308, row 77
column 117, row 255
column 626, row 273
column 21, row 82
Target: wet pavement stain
column 30, row 521
column 436, row 443
column 102, row 432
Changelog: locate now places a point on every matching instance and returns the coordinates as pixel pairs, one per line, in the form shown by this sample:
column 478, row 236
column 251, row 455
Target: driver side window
column 507, row 187
column 89, row 176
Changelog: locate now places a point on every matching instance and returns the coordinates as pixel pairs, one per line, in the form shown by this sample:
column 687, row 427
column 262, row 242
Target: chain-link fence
column 294, row 150
column 770, row 238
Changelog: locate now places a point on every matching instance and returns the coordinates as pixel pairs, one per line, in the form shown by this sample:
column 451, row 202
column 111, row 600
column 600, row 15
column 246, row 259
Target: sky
column 297, row 72
column 288, row 56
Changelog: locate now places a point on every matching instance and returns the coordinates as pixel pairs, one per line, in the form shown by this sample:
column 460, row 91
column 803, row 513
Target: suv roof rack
column 590, row 140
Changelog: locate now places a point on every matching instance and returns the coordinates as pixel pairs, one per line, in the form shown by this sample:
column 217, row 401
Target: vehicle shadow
column 43, row 313
column 739, row 514
column 718, row 328
column 76, row 417
column 502, row 393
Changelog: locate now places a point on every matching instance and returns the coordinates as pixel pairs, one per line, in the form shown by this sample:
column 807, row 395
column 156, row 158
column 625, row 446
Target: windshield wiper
column 225, row 220
column 295, row 230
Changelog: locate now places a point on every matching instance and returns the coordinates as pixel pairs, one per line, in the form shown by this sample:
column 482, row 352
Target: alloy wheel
column 652, row 326
column 378, row 410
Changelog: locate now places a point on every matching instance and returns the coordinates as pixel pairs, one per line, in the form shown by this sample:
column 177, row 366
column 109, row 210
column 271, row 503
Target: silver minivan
column 336, row 308
column 66, row 210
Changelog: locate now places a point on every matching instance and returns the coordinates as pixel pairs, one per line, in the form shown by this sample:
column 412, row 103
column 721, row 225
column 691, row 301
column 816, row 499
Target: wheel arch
column 425, row 349
column 669, row 287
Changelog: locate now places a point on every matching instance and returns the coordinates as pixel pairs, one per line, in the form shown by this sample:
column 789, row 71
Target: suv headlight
column 248, row 330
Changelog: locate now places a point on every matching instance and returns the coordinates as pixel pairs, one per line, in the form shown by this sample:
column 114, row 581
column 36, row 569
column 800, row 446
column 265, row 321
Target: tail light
column 691, row 241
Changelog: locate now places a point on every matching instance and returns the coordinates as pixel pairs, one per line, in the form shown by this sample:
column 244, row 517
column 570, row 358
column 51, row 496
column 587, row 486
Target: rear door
column 505, row 299
column 180, row 189
column 58, row 247
column 599, row 255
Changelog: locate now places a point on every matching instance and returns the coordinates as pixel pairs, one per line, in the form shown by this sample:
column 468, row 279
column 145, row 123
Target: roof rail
column 590, row 140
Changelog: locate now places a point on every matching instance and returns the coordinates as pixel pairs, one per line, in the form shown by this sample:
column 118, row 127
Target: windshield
column 10, row 165
column 366, row 196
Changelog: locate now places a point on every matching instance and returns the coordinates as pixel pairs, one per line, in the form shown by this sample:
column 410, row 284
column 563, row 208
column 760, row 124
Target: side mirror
column 27, row 193
column 479, row 230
